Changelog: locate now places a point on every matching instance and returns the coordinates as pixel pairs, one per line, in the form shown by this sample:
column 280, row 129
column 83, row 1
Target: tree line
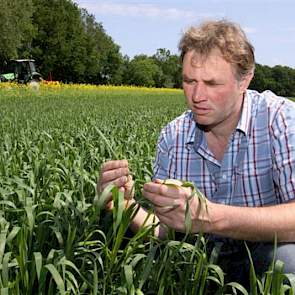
column 69, row 45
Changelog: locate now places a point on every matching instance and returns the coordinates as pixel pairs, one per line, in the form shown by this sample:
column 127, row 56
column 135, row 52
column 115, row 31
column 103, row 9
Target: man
column 236, row 145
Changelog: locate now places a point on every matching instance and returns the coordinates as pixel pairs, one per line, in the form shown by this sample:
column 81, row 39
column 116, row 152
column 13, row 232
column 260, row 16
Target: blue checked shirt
column 258, row 168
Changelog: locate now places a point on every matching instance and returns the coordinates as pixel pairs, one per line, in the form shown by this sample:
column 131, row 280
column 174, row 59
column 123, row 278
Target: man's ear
column 245, row 81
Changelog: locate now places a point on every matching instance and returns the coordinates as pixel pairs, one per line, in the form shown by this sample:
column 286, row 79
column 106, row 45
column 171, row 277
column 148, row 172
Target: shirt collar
column 243, row 124
column 192, row 128
column 194, row 134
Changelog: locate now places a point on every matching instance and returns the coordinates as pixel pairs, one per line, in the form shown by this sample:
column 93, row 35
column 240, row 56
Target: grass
column 55, row 236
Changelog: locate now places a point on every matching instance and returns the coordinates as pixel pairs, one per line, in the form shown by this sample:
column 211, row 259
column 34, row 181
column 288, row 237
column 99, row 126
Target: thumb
column 159, row 181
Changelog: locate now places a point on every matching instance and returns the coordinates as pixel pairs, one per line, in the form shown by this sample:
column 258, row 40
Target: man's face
column 212, row 91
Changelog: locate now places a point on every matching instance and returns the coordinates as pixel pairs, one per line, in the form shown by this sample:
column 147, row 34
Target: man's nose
column 199, row 92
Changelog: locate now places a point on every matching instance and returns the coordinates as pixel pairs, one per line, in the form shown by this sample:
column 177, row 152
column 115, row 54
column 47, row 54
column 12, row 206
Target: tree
column 143, row 71
column 16, row 29
column 279, row 79
column 71, row 45
column 59, row 44
column 259, row 81
column 104, row 61
column 170, row 66
column 283, row 77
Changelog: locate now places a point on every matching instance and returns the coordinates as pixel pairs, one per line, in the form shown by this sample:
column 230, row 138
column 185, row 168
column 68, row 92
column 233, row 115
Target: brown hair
column 224, row 35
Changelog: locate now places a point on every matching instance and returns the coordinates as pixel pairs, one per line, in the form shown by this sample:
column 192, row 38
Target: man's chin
column 204, row 125
column 201, row 120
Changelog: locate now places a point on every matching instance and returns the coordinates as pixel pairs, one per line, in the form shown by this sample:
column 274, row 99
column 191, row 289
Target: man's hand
column 170, row 203
column 117, row 173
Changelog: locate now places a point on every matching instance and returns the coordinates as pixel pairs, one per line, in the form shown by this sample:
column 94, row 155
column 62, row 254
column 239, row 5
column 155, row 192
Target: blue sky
column 143, row 26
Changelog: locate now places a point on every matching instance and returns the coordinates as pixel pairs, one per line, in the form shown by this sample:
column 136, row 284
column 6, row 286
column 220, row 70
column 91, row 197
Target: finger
column 114, row 164
column 166, row 209
column 157, row 180
column 112, row 175
column 164, row 190
column 119, row 182
column 158, row 200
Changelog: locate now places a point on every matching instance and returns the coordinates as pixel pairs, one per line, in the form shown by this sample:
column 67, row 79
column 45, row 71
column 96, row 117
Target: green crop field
column 55, row 236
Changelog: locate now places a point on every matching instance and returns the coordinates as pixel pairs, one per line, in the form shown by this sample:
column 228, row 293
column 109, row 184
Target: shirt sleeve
column 163, row 165
column 283, row 146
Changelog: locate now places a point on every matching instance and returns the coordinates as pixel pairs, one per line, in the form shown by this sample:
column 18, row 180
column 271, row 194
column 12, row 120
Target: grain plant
column 56, row 237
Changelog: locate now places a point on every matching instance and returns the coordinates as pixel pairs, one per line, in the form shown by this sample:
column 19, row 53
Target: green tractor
column 20, row 71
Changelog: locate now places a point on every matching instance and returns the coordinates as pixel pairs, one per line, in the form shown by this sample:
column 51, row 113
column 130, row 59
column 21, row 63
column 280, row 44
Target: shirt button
column 224, row 176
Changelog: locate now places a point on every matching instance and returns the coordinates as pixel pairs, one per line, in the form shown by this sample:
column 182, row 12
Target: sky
column 141, row 27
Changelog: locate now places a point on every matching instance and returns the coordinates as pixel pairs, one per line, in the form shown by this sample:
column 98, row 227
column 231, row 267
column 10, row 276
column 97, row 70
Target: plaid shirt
column 258, row 167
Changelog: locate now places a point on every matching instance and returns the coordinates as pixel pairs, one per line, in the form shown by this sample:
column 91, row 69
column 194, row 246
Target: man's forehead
column 197, row 59
column 212, row 64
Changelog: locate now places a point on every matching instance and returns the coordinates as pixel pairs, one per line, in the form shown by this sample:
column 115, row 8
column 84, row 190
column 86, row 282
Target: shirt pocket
column 253, row 185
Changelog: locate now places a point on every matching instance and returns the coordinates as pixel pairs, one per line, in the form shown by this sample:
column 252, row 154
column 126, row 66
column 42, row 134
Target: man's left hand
column 170, row 204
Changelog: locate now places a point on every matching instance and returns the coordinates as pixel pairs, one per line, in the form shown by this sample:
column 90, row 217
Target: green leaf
column 187, row 218
column 5, row 269
column 118, row 198
column 291, row 279
column 8, row 203
column 2, row 243
column 29, row 211
column 38, row 263
column 253, row 278
column 147, row 266
column 100, row 200
column 95, row 279
column 15, row 230
column 57, row 278
column 277, row 281
column 239, row 287
column 128, row 272
column 219, row 272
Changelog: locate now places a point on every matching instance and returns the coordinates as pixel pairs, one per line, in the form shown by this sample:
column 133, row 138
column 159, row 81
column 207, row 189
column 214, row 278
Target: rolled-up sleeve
column 283, row 145
column 161, row 164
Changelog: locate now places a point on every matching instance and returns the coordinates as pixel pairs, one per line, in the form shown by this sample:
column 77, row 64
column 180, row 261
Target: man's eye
column 212, row 83
column 188, row 81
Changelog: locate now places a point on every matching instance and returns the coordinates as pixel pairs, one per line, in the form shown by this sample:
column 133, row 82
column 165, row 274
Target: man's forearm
column 252, row 223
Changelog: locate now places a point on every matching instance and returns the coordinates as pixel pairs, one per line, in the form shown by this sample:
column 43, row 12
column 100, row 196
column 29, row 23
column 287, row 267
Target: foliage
column 279, row 79
column 58, row 45
column 171, row 67
column 17, row 29
column 103, row 59
column 66, row 42
column 69, row 45
column 55, row 237
column 143, row 71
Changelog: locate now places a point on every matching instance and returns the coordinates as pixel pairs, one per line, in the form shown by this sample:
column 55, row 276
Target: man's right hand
column 117, row 173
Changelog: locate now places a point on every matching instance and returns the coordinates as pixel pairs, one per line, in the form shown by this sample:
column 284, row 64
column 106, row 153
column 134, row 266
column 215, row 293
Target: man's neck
column 218, row 136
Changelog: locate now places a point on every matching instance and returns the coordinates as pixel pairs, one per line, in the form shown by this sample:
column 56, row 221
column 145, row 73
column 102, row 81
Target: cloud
column 141, row 10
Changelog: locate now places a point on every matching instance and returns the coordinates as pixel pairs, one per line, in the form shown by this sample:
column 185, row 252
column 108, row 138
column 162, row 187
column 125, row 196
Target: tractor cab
column 21, row 71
